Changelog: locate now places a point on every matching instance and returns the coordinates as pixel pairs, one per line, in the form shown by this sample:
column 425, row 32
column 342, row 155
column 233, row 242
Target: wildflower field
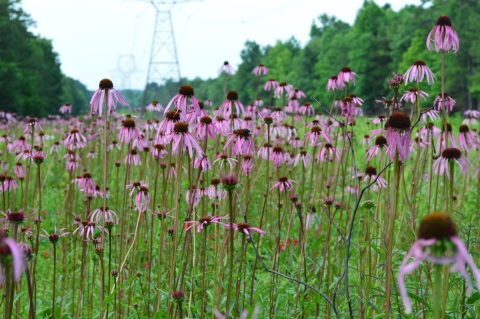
column 224, row 209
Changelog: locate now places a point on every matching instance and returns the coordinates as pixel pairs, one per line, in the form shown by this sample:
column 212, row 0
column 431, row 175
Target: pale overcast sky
column 91, row 35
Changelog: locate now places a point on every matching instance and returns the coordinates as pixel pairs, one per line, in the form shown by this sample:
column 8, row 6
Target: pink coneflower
column 180, row 100
column 208, row 103
column 222, row 125
column 204, row 222
column 128, row 132
column 389, row 102
column 449, row 102
column 203, row 163
column 232, row 100
column 370, row 175
column 136, row 186
column 429, row 131
column 87, row 229
column 470, row 121
column 113, row 96
column 104, row 212
column 133, row 158
column 306, row 109
column 75, row 140
column 86, row 182
column 224, row 160
column 19, row 170
column 277, row 156
column 66, row 108
column 9, row 247
column 142, row 199
column 55, row 147
column 412, row 95
column 473, row 113
column 334, row 84
column 296, row 142
column 314, row 136
column 436, row 233
column 204, row 128
column 398, row 135
column 356, row 100
column 171, row 118
column 21, row 144
column 418, row 71
column 418, row 143
column 16, row 217
column 346, row 75
column 466, row 140
column 304, row 157
column 245, row 228
column 260, row 70
column 242, row 142
column 446, row 38
column 366, row 140
column 9, row 185
column 380, row 143
column 32, row 124
column 299, row 93
column 154, row 106
column 193, row 196
column 348, row 108
column 328, row 153
column 247, row 164
column 283, row 88
column 293, row 105
column 284, row 184
column 214, row 192
column 263, row 151
column 55, row 236
column 442, row 138
column 225, row 68
column 429, row 114
column 451, row 154
column 182, row 138
column 270, row 85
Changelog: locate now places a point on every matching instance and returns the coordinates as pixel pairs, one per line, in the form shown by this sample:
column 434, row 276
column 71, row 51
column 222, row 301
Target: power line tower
column 163, row 63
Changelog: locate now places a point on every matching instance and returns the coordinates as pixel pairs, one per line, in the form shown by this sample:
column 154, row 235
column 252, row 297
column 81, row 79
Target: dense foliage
column 379, row 42
column 31, row 81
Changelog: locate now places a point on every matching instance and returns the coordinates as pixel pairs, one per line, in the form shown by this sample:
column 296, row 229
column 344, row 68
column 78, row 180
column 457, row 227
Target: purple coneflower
column 214, row 192
column 283, row 88
column 66, row 108
column 128, row 132
column 446, row 37
column 247, row 164
column 398, row 136
column 449, row 102
column 270, row 85
column 466, row 140
column 380, row 143
column 203, row 163
column 133, row 158
column 284, row 184
column 334, row 84
column 370, row 175
column 226, row 68
column 205, row 128
column 55, row 236
column 245, row 228
column 327, row 153
column 180, row 100
column 87, row 228
column 346, row 75
column 224, row 160
column 204, row 222
column 306, row 109
column 437, row 231
column 142, row 199
column 260, row 70
column 9, row 247
column 227, row 107
column 429, row 114
column 451, row 154
column 314, row 136
column 242, row 142
column 304, row 157
column 96, row 103
column 418, row 71
column 104, row 212
column 277, row 156
column 182, row 138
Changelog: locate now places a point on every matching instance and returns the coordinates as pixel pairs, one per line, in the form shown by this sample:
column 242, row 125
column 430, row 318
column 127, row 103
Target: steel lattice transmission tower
column 163, row 63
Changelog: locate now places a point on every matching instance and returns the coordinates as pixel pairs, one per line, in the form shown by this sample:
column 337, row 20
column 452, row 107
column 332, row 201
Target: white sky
column 90, row 35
